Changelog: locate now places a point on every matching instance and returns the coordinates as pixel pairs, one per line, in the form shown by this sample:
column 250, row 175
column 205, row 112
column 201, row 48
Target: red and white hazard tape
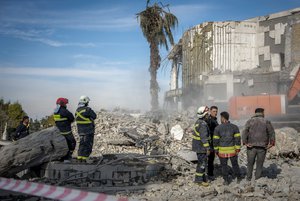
column 54, row 192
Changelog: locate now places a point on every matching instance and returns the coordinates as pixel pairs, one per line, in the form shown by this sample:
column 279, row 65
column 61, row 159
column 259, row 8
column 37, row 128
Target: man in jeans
column 258, row 136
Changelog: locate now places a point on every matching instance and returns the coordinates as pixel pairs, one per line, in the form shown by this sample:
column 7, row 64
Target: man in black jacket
column 85, row 117
column 258, row 136
column 63, row 119
column 200, row 144
column 22, row 130
column 212, row 123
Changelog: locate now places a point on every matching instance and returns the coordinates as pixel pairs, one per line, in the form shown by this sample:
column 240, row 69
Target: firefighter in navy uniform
column 212, row 123
column 63, row 119
column 22, row 130
column 227, row 144
column 200, row 144
column 85, row 117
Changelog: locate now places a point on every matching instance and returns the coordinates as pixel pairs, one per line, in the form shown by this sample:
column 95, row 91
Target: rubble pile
column 287, row 143
column 119, row 132
column 123, row 132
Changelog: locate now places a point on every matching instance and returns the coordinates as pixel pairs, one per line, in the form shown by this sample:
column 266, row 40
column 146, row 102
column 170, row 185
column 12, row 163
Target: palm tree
column 156, row 24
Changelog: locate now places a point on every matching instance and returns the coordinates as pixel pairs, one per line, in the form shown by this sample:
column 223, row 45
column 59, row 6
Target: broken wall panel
column 263, row 44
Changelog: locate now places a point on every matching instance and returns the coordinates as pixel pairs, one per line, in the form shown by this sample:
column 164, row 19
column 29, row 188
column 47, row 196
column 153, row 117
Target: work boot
column 204, row 184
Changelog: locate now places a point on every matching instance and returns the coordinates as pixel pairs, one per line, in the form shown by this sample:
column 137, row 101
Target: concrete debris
column 119, row 132
column 177, row 132
column 287, row 143
column 187, row 155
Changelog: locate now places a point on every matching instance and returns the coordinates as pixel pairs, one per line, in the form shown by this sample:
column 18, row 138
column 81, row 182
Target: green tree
column 15, row 113
column 156, row 24
column 47, row 122
column 35, row 125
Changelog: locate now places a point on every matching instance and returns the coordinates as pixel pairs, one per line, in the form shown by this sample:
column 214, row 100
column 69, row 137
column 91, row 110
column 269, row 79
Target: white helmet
column 84, row 99
column 202, row 111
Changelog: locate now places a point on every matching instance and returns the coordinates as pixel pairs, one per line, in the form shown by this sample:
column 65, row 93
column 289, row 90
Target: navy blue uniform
column 63, row 119
column 200, row 145
column 85, row 117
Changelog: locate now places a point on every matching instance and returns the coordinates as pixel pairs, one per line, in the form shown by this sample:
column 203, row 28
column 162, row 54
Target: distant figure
column 212, row 123
column 200, row 144
column 85, row 117
column 258, row 136
column 22, row 130
column 227, row 144
column 63, row 119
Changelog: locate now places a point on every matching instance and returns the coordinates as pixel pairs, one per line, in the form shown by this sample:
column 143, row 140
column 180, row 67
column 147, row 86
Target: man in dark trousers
column 85, row 117
column 22, row 130
column 227, row 144
column 258, row 136
column 200, row 144
column 212, row 123
column 63, row 119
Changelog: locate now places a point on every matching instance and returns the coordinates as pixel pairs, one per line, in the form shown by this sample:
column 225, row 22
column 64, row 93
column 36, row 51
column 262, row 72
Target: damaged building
column 219, row 60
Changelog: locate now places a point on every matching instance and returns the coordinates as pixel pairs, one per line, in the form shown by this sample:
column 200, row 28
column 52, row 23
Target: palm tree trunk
column 154, row 65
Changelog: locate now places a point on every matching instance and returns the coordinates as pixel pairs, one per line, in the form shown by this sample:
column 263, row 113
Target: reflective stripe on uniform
column 85, row 119
column 227, row 150
column 216, row 137
column 199, row 174
column 237, row 135
column 224, row 155
column 196, row 132
column 57, row 117
column 237, row 146
column 66, row 133
column 195, row 137
column 216, row 148
column 206, row 145
column 82, row 157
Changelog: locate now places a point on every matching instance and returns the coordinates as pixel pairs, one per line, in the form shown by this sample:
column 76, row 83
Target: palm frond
column 157, row 24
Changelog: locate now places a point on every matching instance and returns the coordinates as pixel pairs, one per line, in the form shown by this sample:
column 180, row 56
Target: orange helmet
column 62, row 101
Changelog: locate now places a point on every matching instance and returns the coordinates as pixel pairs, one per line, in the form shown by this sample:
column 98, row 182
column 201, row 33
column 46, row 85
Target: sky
column 69, row 48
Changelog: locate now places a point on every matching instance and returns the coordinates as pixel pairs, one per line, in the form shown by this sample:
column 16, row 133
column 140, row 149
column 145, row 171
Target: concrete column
column 229, row 85
column 174, row 76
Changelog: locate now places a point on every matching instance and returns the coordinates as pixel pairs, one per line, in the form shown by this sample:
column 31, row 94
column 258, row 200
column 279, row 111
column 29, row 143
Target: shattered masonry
column 217, row 60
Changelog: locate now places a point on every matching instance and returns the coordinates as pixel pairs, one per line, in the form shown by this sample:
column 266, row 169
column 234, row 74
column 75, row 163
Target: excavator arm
column 295, row 87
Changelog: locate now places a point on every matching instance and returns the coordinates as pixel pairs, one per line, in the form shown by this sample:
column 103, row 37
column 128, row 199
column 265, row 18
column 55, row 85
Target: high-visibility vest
column 57, row 117
column 80, row 119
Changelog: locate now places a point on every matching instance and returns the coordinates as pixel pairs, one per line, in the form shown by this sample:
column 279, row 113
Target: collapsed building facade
column 219, row 60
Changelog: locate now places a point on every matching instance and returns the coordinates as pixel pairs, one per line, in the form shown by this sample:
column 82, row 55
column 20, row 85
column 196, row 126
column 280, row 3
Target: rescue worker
column 63, row 119
column 227, row 144
column 258, row 136
column 212, row 123
column 200, row 145
column 85, row 117
column 22, row 130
